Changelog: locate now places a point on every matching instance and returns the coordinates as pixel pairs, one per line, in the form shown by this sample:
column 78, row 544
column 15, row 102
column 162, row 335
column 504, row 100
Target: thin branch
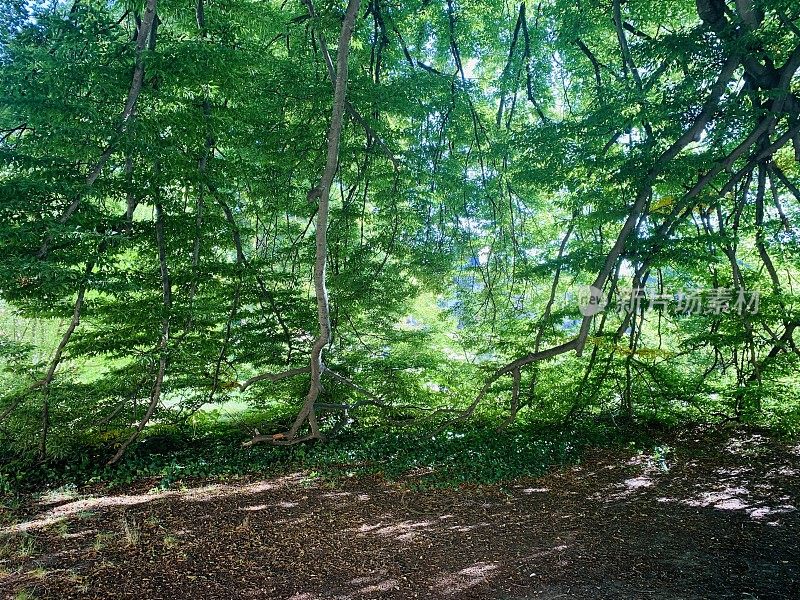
column 349, row 108
column 155, row 395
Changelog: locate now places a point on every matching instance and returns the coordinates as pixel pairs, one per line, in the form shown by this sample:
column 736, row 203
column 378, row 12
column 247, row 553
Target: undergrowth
column 471, row 452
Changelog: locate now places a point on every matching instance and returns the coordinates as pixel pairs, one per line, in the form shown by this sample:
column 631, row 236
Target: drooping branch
column 352, row 112
column 44, row 384
column 627, row 60
column 504, row 75
column 595, row 66
column 166, row 290
column 776, row 198
column 241, row 258
column 274, row 376
column 543, row 323
column 634, row 213
column 760, row 243
column 644, row 194
column 526, row 36
column 145, row 39
column 781, row 176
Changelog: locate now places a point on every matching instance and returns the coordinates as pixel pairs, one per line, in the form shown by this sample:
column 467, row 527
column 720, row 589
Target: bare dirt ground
column 717, row 520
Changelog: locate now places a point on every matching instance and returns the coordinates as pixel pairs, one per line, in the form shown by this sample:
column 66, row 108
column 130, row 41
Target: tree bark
column 322, row 193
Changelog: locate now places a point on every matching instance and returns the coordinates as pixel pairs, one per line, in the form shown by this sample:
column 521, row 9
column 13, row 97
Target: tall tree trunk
column 322, row 193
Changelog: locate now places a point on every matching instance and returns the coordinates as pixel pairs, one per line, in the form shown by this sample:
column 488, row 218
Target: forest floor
column 707, row 520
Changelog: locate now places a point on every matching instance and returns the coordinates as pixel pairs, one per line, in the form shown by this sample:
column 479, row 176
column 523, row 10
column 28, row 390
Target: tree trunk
column 322, row 193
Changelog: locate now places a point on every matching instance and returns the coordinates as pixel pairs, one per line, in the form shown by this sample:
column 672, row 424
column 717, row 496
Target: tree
column 479, row 166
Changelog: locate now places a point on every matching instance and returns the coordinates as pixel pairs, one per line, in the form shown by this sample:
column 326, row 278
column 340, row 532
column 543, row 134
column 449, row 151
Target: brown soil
column 720, row 523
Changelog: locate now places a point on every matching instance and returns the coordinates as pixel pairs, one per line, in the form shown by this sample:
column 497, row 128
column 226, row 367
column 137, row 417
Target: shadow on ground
column 711, row 521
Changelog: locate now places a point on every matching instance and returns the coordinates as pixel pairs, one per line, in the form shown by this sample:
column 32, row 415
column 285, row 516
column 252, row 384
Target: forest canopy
column 323, row 215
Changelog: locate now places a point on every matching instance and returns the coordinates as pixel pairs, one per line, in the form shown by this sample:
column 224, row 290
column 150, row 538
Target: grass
column 81, row 583
column 152, row 521
column 61, row 494
column 62, row 528
column 101, row 540
column 245, row 524
column 6, row 547
column 27, row 546
column 38, row 573
column 131, row 531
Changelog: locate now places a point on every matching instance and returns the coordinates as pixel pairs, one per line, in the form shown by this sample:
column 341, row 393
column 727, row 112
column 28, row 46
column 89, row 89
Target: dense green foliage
column 497, row 159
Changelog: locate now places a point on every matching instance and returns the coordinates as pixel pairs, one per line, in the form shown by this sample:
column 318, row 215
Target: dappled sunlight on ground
column 403, row 531
column 259, row 507
column 747, row 444
column 93, row 503
column 624, row 489
column 532, row 490
column 465, row 579
column 715, row 525
column 756, row 490
column 724, row 496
